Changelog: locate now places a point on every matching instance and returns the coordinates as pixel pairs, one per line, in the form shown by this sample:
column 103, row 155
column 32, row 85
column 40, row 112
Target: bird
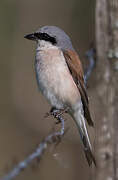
column 60, row 79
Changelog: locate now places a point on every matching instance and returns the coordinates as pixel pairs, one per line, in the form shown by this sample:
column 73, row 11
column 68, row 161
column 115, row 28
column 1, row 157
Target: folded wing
column 76, row 71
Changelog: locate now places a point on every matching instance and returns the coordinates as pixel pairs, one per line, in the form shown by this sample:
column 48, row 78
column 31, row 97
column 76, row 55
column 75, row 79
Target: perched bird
column 60, row 78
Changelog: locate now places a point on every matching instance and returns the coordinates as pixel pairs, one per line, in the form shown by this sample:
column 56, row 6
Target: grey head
column 54, row 35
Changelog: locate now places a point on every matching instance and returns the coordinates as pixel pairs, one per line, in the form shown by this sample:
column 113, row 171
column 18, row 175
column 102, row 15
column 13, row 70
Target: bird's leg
column 57, row 112
column 53, row 112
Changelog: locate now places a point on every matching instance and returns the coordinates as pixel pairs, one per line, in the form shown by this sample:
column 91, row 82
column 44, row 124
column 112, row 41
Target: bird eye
column 46, row 36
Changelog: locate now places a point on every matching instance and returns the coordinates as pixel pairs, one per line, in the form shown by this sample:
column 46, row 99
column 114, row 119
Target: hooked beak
column 31, row 36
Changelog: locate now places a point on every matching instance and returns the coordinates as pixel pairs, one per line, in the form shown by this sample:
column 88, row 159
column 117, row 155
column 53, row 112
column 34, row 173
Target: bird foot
column 57, row 112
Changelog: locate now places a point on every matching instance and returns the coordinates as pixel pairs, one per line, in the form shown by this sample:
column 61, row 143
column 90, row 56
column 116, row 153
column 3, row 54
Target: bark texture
column 106, row 146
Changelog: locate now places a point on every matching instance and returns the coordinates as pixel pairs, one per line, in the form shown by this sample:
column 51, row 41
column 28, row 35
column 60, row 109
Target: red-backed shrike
column 60, row 78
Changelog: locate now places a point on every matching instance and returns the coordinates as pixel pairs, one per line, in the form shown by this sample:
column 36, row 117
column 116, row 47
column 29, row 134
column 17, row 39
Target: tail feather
column 88, row 153
column 80, row 121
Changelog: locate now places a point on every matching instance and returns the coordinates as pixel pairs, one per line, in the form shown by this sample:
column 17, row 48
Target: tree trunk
column 106, row 146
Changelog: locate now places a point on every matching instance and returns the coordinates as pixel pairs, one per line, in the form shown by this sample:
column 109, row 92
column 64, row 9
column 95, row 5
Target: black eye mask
column 45, row 36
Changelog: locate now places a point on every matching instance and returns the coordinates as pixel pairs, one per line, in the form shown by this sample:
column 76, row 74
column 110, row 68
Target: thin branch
column 90, row 54
column 37, row 153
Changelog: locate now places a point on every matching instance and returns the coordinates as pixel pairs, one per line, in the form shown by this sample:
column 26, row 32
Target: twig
column 90, row 54
column 37, row 153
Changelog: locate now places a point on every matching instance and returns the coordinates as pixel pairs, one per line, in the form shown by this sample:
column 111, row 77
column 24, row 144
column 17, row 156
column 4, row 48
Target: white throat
column 42, row 44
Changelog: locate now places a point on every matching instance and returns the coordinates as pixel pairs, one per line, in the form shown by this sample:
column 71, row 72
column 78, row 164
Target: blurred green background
column 22, row 107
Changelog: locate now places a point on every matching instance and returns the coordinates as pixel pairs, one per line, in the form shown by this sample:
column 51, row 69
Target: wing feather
column 76, row 71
